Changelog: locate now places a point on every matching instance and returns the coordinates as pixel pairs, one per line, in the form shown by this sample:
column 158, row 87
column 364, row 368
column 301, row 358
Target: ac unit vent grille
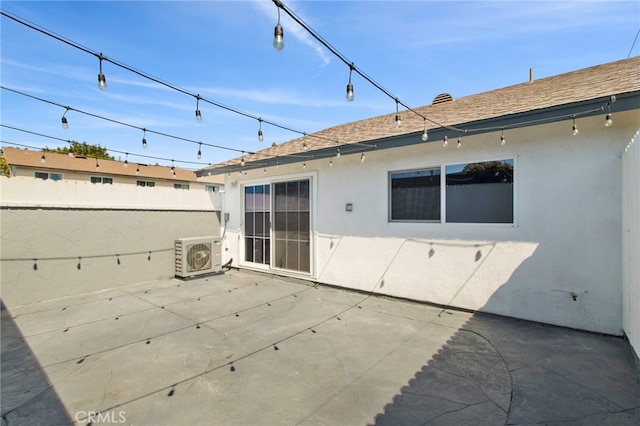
column 196, row 256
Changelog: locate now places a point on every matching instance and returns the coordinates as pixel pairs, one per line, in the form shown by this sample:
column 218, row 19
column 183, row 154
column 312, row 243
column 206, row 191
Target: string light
column 362, row 157
column 102, row 80
column 260, row 135
column 242, row 161
column 608, row 120
column 425, row 136
column 304, row 165
column 331, row 162
column 173, row 169
column 398, row 119
column 338, row 153
column 138, row 169
column 200, row 151
column 445, row 140
column 42, row 159
column 126, row 160
column 198, row 114
column 575, row 127
column 65, row 123
column 304, row 146
column 349, row 85
column 502, row 139
column 459, row 144
column 144, row 139
column 97, row 165
column 278, row 32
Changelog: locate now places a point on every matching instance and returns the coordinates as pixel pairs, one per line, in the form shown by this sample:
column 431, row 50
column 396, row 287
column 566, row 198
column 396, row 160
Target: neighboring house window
column 99, row 179
column 148, row 183
column 480, row 192
column 181, row 185
column 45, row 176
column 415, row 195
column 211, row 188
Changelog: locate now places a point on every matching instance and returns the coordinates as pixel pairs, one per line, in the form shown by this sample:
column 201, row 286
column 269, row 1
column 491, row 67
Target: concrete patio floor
column 243, row 348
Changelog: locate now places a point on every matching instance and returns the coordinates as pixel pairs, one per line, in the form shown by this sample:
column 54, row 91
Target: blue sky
column 223, row 51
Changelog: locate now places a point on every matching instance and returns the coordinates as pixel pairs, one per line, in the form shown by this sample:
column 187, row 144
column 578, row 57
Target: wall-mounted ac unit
column 195, row 256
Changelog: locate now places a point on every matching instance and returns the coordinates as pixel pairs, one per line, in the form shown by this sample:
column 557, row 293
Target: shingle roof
column 64, row 162
column 582, row 85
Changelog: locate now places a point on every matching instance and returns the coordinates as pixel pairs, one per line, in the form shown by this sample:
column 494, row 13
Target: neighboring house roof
column 63, row 162
column 587, row 84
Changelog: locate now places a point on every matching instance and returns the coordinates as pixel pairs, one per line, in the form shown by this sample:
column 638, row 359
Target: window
column 45, row 176
column 211, row 188
column 415, row 195
column 99, row 179
column 181, row 185
column 480, row 192
column 148, row 183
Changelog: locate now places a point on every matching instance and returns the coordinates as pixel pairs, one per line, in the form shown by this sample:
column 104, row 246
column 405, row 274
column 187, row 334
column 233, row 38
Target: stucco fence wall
column 631, row 241
column 67, row 238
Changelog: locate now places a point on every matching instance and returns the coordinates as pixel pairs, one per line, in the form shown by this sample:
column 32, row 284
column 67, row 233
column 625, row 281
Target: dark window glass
column 42, row 175
column 480, row 192
column 415, row 195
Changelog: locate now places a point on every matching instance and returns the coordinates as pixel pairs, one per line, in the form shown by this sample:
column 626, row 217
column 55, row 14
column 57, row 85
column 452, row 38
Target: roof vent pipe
column 530, row 75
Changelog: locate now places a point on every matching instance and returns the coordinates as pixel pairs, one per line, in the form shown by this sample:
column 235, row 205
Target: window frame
column 101, row 179
column 514, row 222
column 49, row 176
column 443, row 192
column 390, row 195
column 184, row 186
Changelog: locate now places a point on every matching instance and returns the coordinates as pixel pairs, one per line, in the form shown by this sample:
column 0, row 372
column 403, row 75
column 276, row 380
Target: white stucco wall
column 567, row 235
column 631, row 241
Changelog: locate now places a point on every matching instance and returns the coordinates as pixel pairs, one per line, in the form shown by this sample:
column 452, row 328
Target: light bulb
column 350, row 92
column 144, row 143
column 304, row 146
column 502, row 140
column 199, row 154
column 198, row 116
column 102, row 81
column 331, row 162
column 126, row 163
column 425, row 136
column 338, row 153
column 65, row 123
column 260, row 135
column 575, row 130
column 459, row 143
column 242, row 161
column 42, row 159
column 608, row 121
column 398, row 121
column 362, row 158
column 278, row 37
column 445, row 141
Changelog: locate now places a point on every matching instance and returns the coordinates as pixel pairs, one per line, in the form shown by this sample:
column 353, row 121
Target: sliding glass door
column 278, row 224
column 291, row 229
column 257, row 220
